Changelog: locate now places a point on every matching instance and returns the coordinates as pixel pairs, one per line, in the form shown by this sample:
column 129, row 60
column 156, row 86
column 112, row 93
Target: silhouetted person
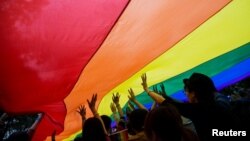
column 202, row 108
column 136, row 122
column 93, row 130
column 164, row 123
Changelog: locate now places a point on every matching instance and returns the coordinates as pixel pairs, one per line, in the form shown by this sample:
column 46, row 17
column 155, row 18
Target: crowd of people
column 207, row 114
column 168, row 119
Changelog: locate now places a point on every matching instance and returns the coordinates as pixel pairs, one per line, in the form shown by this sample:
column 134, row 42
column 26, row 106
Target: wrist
column 148, row 90
column 117, row 104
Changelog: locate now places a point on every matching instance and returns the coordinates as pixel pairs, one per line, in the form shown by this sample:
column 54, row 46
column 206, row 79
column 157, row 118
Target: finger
column 144, row 76
column 96, row 96
column 93, row 97
column 129, row 90
column 132, row 91
column 129, row 97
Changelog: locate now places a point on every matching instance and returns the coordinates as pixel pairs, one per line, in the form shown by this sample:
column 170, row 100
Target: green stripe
column 210, row 68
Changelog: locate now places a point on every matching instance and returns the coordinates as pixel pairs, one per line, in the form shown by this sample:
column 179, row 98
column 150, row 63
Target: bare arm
column 94, row 111
column 116, row 98
column 155, row 96
column 115, row 114
column 82, row 111
column 132, row 98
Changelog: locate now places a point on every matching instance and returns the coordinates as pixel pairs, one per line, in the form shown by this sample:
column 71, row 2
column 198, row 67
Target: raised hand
column 116, row 98
column 82, row 111
column 92, row 103
column 131, row 95
column 160, row 92
column 132, row 98
column 163, row 90
column 112, row 107
column 144, row 82
column 155, row 89
column 156, row 97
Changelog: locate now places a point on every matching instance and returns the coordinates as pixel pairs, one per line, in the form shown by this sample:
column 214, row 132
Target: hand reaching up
column 112, row 107
column 144, row 82
column 155, row 89
column 82, row 111
column 163, row 90
column 156, row 97
column 92, row 103
column 116, row 98
column 131, row 95
column 132, row 98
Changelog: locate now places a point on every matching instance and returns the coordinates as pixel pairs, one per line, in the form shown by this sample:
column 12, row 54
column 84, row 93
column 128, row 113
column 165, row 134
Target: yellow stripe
column 224, row 32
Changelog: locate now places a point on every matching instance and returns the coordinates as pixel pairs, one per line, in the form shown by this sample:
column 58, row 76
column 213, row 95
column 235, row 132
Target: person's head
column 136, row 119
column 199, row 88
column 93, row 130
column 107, row 122
column 164, row 123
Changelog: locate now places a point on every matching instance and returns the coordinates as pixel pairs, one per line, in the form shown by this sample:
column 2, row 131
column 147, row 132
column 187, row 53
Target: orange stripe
column 145, row 30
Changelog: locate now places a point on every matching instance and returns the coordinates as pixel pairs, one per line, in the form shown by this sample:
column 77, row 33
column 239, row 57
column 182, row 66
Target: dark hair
column 202, row 86
column 136, row 119
column 107, row 122
column 165, row 122
column 93, row 130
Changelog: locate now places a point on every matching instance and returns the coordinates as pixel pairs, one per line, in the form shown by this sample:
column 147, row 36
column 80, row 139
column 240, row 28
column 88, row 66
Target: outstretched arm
column 115, row 114
column 116, row 98
column 155, row 96
column 82, row 111
column 94, row 111
column 132, row 98
column 184, row 108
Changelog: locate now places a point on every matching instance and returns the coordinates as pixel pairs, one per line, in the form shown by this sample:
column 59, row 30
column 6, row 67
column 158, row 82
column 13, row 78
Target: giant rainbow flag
column 55, row 54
